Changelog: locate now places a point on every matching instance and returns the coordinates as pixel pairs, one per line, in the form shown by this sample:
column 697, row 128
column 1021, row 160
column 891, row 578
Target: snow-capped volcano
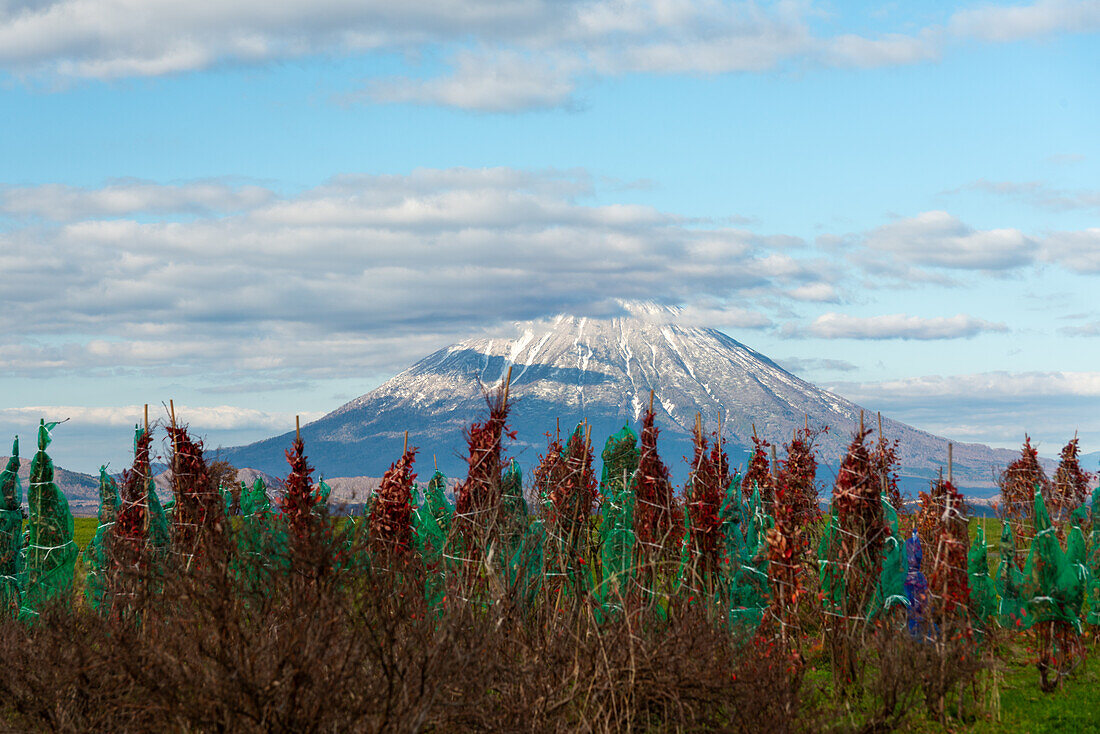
column 601, row 370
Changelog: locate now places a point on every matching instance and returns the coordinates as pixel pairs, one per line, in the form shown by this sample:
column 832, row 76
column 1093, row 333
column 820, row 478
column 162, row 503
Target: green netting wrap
column 1050, row 579
column 983, row 593
column 95, row 555
column 616, row 522
column 261, row 541
column 832, row 578
column 1009, row 581
column 435, row 501
column 11, row 535
column 431, row 522
column 890, row 589
column 1093, row 586
column 160, row 537
column 750, row 594
column 1078, row 572
column 51, row 552
column 525, row 569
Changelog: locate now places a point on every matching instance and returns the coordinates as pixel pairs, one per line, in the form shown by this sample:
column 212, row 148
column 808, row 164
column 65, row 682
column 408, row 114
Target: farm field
column 1023, row 707
column 733, row 603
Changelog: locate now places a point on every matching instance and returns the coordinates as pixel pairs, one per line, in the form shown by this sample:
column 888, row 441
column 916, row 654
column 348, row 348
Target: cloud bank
column 497, row 55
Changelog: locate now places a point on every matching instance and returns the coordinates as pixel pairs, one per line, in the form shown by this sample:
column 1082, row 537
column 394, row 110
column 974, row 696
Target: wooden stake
column 950, row 462
column 698, row 424
column 405, row 448
column 861, row 423
column 754, row 430
column 775, row 464
column 651, row 401
column 507, row 384
column 435, row 461
column 147, row 418
column 297, row 428
column 880, row 440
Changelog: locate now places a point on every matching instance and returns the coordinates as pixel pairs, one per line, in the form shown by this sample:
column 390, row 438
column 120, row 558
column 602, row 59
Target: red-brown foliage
column 886, row 462
column 862, row 522
column 706, row 488
column 949, row 583
column 200, row 510
column 1071, row 483
column 657, row 519
column 573, row 494
column 799, row 475
column 548, row 473
column 795, row 512
column 477, row 499
column 391, row 513
column 298, row 496
column 1017, row 483
column 758, row 474
column 129, row 528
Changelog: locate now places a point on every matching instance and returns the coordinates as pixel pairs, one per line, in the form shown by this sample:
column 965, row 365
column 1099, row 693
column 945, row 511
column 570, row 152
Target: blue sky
column 264, row 210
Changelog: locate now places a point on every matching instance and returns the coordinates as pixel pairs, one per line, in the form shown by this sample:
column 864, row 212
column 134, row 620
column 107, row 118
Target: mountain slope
column 600, row 370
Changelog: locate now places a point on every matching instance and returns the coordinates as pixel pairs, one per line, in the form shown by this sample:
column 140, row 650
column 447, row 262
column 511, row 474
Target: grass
column 84, row 530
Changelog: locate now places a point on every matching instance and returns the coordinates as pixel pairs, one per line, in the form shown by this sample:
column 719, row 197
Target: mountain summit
column 601, row 370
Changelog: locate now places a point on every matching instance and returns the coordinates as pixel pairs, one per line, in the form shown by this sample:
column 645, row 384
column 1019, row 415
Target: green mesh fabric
column 513, row 507
column 431, row 521
column 832, row 576
column 1009, row 582
column 1093, row 585
column 983, row 593
column 1077, row 574
column 96, row 561
column 616, row 522
column 1051, row 581
column 749, row 598
column 261, row 541
column 525, row 568
column 160, row 538
column 890, row 590
column 51, row 551
column 11, row 535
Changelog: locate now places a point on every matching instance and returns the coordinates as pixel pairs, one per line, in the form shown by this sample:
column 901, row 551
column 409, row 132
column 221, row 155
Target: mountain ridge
column 601, row 370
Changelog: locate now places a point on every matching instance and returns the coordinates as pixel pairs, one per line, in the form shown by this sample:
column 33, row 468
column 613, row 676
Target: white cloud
column 1077, row 251
column 1015, row 22
column 899, row 326
column 1038, row 194
column 938, row 239
column 217, row 417
column 991, row 407
column 499, row 54
column 338, row 269
column 60, row 202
